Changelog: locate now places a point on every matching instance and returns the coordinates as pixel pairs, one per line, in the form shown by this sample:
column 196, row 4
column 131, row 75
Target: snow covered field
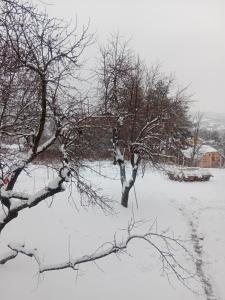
column 59, row 230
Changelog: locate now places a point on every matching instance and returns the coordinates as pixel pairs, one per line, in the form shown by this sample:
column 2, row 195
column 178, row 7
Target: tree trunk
column 125, row 197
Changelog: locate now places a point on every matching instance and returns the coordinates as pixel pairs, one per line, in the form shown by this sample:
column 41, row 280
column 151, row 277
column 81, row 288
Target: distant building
column 206, row 157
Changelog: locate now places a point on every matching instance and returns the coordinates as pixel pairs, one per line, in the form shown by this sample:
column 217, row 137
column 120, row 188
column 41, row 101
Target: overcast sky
column 187, row 37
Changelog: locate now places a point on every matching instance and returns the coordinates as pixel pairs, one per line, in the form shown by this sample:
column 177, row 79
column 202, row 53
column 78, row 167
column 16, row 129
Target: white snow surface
column 63, row 229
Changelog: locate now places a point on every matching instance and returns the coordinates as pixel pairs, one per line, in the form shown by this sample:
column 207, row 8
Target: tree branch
column 164, row 245
column 28, row 201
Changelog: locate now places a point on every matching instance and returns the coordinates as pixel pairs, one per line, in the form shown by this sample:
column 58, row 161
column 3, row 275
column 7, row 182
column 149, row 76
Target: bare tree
column 195, row 143
column 149, row 119
column 113, row 66
column 40, row 62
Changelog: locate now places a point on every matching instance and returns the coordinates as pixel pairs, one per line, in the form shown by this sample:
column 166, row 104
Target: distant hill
column 213, row 121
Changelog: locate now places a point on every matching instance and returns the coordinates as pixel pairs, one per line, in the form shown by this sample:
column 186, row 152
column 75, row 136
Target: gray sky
column 187, row 37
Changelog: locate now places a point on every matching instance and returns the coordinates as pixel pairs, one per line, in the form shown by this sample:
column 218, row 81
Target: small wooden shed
column 205, row 157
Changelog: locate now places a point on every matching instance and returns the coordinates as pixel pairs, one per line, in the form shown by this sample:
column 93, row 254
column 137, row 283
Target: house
column 205, row 157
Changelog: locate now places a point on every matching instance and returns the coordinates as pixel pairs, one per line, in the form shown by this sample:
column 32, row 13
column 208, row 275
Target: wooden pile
column 189, row 174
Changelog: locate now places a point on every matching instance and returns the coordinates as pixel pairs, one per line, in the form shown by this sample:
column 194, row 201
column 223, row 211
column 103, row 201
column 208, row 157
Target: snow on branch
column 23, row 201
column 118, row 155
column 8, row 256
column 166, row 246
column 14, row 194
column 24, row 159
column 48, row 143
column 18, row 248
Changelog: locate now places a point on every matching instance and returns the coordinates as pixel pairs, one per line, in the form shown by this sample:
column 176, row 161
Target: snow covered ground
column 59, row 229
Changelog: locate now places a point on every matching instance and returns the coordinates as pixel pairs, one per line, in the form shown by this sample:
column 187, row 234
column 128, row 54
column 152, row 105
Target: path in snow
column 197, row 241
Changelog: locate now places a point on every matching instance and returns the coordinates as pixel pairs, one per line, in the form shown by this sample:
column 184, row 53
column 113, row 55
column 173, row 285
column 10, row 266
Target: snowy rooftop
column 201, row 151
